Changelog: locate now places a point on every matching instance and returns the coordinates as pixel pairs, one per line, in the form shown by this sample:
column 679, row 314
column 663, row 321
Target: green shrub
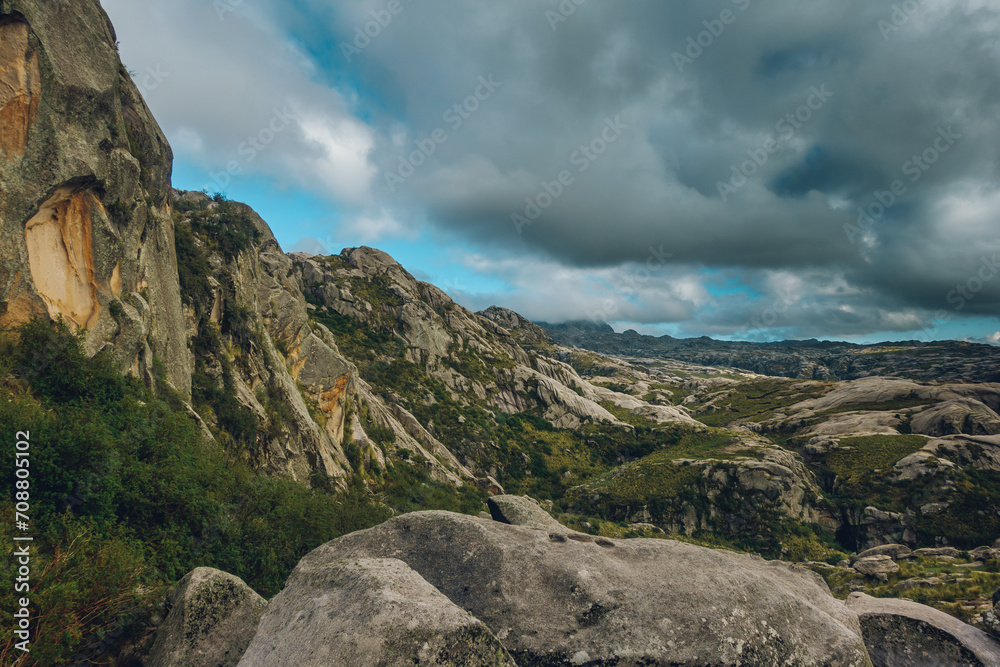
column 129, row 483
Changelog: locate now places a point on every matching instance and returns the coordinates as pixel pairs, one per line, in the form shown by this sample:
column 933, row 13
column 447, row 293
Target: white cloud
column 232, row 81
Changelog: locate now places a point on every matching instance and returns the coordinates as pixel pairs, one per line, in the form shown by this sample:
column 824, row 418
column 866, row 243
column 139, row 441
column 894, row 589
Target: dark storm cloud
column 749, row 134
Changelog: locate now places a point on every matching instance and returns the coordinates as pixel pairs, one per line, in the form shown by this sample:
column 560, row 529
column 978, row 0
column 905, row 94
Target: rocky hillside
column 323, row 369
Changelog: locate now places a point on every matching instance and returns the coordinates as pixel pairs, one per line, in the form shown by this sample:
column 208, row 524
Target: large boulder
column 893, row 551
column 521, row 511
column 368, row 613
column 901, row 633
column 213, row 616
column 560, row 598
column 879, row 566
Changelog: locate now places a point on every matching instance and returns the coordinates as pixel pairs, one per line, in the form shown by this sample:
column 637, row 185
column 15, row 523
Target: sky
column 741, row 169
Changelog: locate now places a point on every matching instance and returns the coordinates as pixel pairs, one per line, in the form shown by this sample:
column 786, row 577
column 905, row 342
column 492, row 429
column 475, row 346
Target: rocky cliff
column 84, row 190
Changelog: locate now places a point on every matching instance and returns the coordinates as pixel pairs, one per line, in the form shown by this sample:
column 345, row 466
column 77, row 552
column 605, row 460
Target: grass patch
column 758, row 400
column 887, row 406
column 870, row 453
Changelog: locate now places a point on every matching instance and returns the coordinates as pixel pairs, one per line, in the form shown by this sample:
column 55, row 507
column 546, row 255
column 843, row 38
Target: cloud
column 238, row 92
column 837, row 175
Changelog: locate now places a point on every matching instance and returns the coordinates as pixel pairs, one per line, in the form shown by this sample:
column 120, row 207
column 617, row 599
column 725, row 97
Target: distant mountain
column 944, row 361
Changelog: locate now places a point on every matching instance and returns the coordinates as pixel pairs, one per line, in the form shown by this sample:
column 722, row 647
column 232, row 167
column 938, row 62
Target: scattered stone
column 991, row 622
column 907, row 584
column 893, row 551
column 876, row 566
column 949, row 552
column 213, row 616
column 985, row 553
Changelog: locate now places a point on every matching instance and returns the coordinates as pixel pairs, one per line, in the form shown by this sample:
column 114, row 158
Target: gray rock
column 893, row 551
column 876, row 527
column 876, row 566
column 368, row 613
column 919, row 583
column 213, row 616
column 984, row 553
column 85, row 223
column 558, row 598
column 961, row 415
column 991, row 622
column 947, row 552
column 906, row 634
column 522, row 511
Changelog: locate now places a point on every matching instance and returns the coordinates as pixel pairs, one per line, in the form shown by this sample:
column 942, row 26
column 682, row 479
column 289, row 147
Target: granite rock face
column 85, row 226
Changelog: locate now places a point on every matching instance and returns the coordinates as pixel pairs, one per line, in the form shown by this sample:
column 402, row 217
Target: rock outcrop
column 521, row 511
column 900, row 633
column 557, row 598
column 85, row 227
column 213, row 616
column 369, row 613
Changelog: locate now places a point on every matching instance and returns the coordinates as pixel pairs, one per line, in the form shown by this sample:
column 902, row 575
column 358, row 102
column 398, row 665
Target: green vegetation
column 758, row 400
column 859, row 458
column 227, row 229
column 627, row 416
column 361, row 343
column 124, row 493
column 213, row 396
column 958, row 590
column 886, row 406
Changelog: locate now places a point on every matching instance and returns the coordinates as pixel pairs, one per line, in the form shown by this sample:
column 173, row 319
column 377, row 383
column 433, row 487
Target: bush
column 124, row 491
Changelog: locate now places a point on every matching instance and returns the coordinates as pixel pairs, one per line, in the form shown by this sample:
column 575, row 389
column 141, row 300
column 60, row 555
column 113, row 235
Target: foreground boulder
column 213, row 616
column 369, row 613
column 560, row 598
column 901, row 633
